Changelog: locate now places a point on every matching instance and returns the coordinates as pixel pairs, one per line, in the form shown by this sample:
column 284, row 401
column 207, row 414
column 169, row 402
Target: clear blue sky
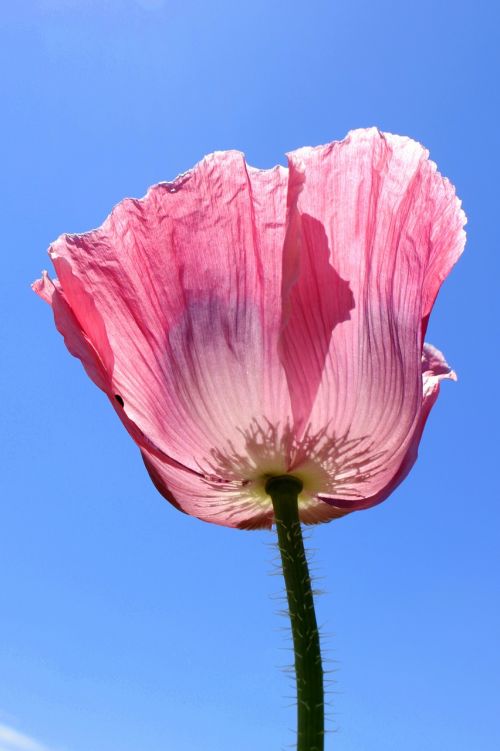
column 125, row 625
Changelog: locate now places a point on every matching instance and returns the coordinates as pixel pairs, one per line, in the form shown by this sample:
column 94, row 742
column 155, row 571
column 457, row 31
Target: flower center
column 322, row 463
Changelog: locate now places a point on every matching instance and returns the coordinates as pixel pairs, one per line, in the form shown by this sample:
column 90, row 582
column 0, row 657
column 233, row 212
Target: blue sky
column 124, row 624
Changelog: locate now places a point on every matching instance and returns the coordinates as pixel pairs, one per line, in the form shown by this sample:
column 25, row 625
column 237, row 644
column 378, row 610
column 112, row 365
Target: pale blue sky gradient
column 125, row 625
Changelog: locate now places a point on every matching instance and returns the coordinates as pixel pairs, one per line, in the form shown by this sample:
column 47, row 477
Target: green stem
column 284, row 492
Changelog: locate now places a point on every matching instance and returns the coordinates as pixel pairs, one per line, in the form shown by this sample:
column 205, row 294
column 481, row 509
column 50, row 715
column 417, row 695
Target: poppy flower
column 247, row 324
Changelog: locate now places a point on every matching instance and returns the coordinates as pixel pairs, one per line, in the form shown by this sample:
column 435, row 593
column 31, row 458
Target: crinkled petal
column 434, row 370
column 98, row 370
column 223, row 503
column 315, row 299
column 208, row 500
column 97, row 362
column 179, row 294
column 44, row 287
column 392, row 230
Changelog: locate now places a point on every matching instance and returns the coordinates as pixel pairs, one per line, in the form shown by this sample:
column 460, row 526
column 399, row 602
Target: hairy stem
column 284, row 492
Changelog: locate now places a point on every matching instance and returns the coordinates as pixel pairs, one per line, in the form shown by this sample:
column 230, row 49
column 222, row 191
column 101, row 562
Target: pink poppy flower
column 247, row 323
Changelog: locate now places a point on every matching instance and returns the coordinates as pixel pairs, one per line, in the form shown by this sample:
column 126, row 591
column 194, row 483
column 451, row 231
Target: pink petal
column 315, row 300
column 223, row 502
column 209, row 501
column 179, row 296
column 75, row 339
column 393, row 229
column 44, row 287
column 434, row 369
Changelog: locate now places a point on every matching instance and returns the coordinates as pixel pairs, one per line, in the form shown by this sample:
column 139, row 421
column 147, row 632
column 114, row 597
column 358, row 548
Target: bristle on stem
column 284, row 492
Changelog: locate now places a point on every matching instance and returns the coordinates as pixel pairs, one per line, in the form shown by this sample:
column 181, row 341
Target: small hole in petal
column 119, row 400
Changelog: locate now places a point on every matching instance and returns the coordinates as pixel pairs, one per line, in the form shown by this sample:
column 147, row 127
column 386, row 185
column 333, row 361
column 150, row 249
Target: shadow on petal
column 315, row 299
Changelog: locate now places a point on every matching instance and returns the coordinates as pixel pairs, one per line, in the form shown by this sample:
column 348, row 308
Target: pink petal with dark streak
column 392, row 229
column 186, row 284
column 434, row 370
